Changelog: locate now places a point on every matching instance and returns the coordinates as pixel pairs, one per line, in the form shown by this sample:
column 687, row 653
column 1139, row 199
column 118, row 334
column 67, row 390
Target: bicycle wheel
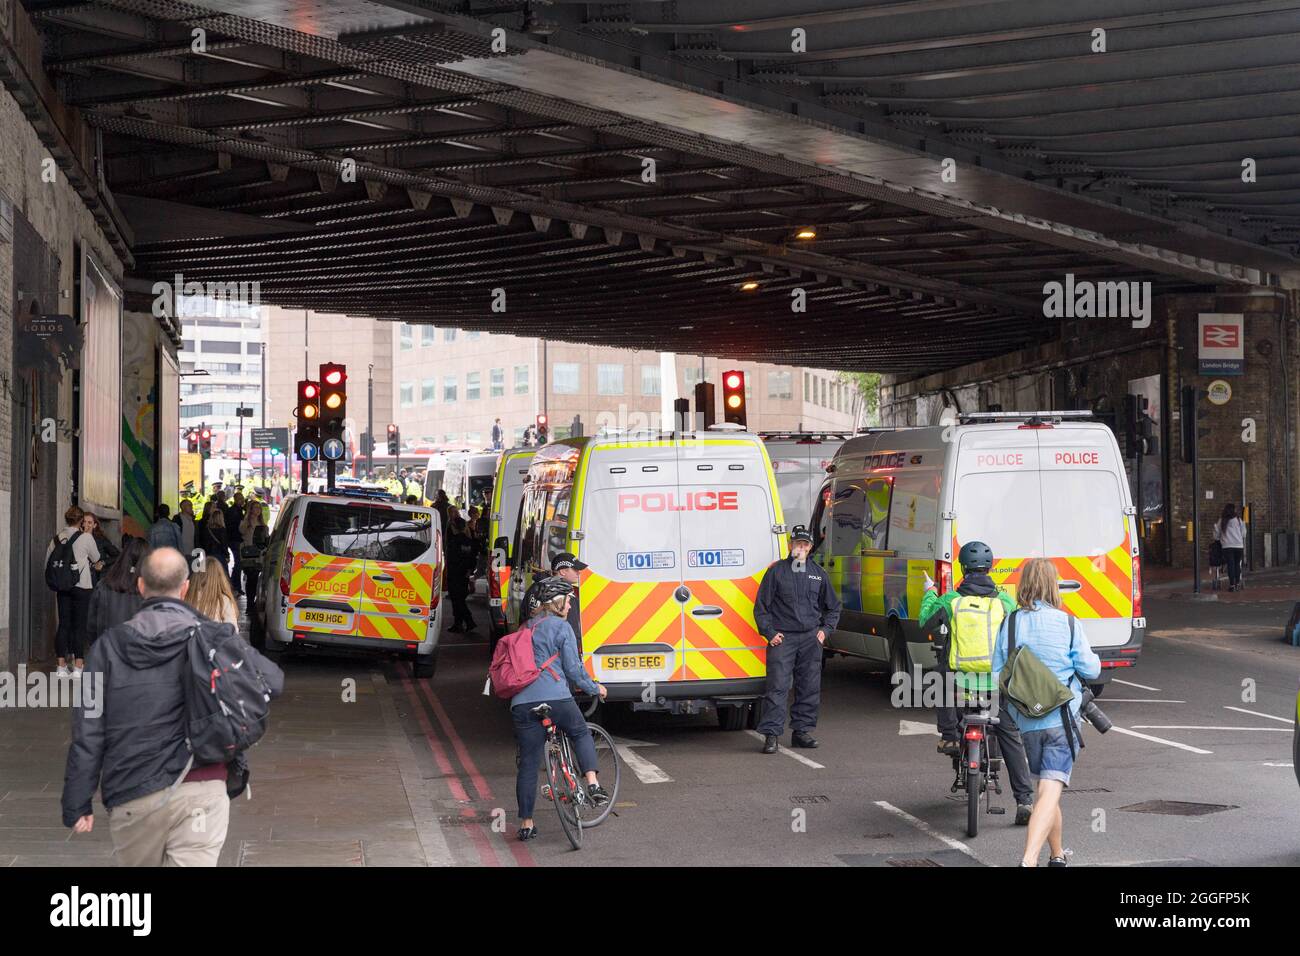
column 609, row 769
column 562, row 793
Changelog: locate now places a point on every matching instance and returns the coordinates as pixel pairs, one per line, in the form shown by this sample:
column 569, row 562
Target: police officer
column 795, row 609
column 567, row 567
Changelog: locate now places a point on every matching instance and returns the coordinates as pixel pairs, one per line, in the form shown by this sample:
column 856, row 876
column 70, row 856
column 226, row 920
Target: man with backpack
column 160, row 749
column 973, row 613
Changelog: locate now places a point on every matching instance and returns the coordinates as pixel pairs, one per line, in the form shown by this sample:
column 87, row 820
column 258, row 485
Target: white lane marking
column 1274, row 730
column 1255, row 713
column 789, row 753
column 1161, row 740
column 927, row 829
column 1279, row 765
column 1129, row 683
column 912, row 728
column 1142, row 700
column 645, row 771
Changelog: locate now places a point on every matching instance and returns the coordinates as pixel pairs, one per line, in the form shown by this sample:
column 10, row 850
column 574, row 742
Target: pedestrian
column 497, row 434
column 234, row 515
column 1230, row 532
column 74, row 603
column 116, row 598
column 529, row 435
column 442, row 505
column 1058, row 641
column 575, row 426
column 794, row 610
column 135, row 749
column 185, row 522
column 163, row 533
column 553, row 640
column 212, row 535
column 210, row 594
column 255, row 535
column 108, row 551
column 460, row 565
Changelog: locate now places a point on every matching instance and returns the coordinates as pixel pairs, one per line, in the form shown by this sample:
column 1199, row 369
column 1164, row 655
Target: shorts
column 1050, row 757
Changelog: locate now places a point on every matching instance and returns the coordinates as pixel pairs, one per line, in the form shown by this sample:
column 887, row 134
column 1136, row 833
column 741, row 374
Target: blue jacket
column 553, row 635
column 163, row 533
column 1046, row 631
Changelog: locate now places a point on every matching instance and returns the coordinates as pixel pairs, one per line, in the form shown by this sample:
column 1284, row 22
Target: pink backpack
column 514, row 665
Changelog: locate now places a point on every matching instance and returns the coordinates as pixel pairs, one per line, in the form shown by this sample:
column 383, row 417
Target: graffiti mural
column 139, row 423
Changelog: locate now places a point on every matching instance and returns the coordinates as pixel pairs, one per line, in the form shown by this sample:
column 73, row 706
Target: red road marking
column 521, row 853
column 482, row 844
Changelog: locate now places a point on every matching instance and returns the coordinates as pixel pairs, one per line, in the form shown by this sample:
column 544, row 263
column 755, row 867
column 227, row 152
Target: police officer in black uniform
column 796, row 608
column 566, row 566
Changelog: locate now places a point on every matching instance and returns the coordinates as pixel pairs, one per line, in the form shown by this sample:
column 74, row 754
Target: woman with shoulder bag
column 116, row 597
column 1230, row 533
column 1058, row 641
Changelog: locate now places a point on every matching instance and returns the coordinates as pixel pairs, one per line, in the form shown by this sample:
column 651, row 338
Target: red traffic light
column 206, row 434
column 734, row 380
column 333, row 374
column 309, row 390
column 391, row 429
column 541, row 420
column 733, row 396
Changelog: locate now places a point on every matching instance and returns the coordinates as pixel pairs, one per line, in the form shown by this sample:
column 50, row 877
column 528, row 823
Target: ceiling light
column 808, row 232
column 749, row 286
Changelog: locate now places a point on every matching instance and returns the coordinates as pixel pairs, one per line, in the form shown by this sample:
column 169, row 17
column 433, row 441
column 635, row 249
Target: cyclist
column 973, row 625
column 553, row 639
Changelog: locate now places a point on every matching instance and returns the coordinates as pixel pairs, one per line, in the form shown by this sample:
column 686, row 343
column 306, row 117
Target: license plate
column 632, row 662
column 331, row 619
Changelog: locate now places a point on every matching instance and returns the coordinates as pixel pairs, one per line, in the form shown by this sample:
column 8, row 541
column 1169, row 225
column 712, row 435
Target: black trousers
column 1234, row 556
column 458, row 588
column 797, row 662
column 74, row 610
column 1006, row 731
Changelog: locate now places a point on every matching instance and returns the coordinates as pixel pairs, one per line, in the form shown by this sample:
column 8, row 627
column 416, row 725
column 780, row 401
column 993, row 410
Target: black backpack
column 61, row 572
column 228, row 693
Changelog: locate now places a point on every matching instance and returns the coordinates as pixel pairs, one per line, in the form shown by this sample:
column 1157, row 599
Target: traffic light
column 705, row 405
column 205, row 441
column 333, row 399
column 191, row 441
column 541, row 429
column 307, row 436
column 1191, row 414
column 367, row 443
column 733, row 397
column 394, row 440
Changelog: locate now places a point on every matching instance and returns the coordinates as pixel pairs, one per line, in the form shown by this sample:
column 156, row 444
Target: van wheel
column 732, row 718
column 424, row 667
column 256, row 632
column 754, row 714
column 898, row 656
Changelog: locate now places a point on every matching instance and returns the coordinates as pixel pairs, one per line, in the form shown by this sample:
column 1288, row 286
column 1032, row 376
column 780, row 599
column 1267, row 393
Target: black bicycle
column 565, row 786
column 978, row 764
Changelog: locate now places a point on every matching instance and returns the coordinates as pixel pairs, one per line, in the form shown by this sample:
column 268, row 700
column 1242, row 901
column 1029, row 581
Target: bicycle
column 978, row 766
column 564, row 785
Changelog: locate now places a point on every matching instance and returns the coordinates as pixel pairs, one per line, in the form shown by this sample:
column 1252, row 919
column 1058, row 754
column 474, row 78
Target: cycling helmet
column 975, row 556
column 552, row 588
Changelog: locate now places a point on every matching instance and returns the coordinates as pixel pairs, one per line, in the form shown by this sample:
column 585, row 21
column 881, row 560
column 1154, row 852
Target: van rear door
column 727, row 544
column 1086, row 528
column 329, row 557
column 399, row 591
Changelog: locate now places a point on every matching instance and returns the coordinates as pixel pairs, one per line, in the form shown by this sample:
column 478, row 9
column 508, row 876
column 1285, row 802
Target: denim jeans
column 531, row 737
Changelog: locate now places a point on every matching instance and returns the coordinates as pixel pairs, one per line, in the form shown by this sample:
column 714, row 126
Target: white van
column 507, row 496
column 434, row 472
column 677, row 532
column 469, row 478
column 799, row 461
column 900, row 502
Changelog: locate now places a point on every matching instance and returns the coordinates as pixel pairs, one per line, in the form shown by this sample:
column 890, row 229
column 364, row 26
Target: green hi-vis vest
column 975, row 623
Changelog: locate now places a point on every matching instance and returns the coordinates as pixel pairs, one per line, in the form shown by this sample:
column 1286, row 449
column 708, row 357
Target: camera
column 1090, row 712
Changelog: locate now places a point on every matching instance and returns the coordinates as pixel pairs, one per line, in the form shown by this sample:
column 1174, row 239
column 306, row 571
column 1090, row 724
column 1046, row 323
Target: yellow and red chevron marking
column 1105, row 581
column 325, row 577
column 412, row 586
column 392, row 628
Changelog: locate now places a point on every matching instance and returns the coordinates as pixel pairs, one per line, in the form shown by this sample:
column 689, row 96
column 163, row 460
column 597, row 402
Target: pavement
column 365, row 766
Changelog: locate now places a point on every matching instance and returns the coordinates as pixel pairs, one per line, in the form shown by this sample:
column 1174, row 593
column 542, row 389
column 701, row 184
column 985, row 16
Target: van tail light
column 286, row 566
column 943, row 576
column 1137, row 586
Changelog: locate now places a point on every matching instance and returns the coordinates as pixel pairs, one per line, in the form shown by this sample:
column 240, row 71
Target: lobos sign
column 679, row 501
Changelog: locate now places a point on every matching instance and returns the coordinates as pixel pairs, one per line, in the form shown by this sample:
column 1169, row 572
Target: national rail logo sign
column 1220, row 344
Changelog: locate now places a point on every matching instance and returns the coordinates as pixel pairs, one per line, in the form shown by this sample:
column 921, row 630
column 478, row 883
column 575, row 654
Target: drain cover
column 810, row 798
column 1087, row 790
column 1178, row 808
column 923, row 861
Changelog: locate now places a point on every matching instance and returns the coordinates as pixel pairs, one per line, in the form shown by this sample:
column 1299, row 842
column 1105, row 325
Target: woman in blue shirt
column 553, row 643
column 1057, row 641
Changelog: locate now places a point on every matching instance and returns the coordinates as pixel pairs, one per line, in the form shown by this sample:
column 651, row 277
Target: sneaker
column 527, row 833
column 62, row 671
column 1023, row 812
column 1062, row 860
column 949, row 748
column 598, row 794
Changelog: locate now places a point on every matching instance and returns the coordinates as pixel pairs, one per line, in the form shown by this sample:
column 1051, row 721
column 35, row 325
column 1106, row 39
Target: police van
column 469, row 478
column 677, row 531
column 898, row 504
column 507, row 496
column 799, row 461
column 434, row 470
column 353, row 572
